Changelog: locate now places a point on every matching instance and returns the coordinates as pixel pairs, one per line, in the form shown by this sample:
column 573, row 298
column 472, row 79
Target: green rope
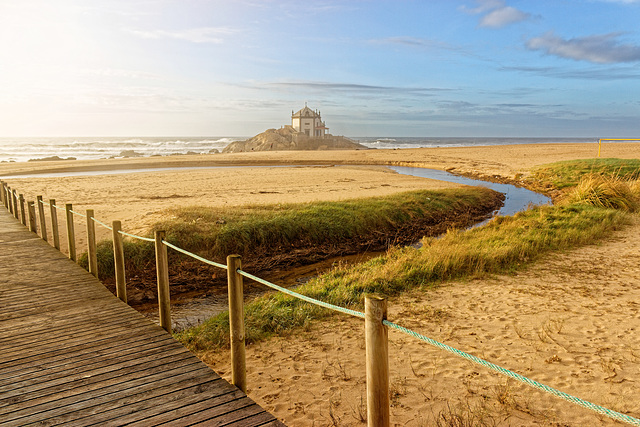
column 588, row 405
column 102, row 224
column 146, row 239
column 77, row 213
column 302, row 297
column 192, row 255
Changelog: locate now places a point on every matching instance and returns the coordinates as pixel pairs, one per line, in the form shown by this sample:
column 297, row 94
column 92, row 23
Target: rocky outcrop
column 287, row 139
column 51, row 159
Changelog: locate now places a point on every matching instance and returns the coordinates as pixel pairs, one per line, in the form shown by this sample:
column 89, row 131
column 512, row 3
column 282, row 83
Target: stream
column 196, row 311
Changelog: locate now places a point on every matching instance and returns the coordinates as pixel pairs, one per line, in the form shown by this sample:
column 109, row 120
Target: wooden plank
column 259, row 419
column 92, row 399
column 121, row 329
column 71, row 349
column 47, row 368
column 61, row 329
column 89, row 387
column 137, row 403
column 71, row 352
column 92, row 365
column 191, row 414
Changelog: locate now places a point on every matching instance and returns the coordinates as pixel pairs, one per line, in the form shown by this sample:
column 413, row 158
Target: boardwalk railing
column 375, row 315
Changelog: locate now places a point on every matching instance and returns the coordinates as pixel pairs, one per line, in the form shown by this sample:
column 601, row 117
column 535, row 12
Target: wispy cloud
column 601, row 49
column 212, row 35
column 420, row 43
column 502, row 17
column 593, row 73
column 328, row 87
column 427, row 45
column 496, row 14
column 415, row 42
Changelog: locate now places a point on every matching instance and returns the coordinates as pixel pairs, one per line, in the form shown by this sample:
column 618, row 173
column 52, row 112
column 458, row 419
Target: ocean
column 25, row 149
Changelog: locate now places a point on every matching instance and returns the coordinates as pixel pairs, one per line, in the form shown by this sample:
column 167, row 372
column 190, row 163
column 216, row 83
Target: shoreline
column 97, row 148
column 506, row 159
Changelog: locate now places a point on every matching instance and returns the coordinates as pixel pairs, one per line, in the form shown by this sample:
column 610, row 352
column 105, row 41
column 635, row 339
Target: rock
column 287, row 139
column 52, row 158
column 130, row 153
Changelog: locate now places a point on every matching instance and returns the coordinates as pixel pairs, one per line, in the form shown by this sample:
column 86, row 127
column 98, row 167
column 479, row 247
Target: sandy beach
column 571, row 321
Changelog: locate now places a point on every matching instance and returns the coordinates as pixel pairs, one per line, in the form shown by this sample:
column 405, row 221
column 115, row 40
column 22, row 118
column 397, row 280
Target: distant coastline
column 90, row 148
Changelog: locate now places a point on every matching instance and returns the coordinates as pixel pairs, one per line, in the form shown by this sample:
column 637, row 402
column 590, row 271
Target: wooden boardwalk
column 72, row 353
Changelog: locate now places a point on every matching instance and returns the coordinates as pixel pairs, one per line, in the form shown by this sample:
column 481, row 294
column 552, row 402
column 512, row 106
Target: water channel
column 516, row 199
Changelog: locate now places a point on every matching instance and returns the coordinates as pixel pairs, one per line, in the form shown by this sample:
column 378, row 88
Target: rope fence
column 102, row 224
column 289, row 292
column 194, row 256
column 77, row 213
column 375, row 315
column 146, row 239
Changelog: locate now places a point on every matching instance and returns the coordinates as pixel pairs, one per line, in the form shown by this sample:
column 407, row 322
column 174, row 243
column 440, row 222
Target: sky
column 502, row 68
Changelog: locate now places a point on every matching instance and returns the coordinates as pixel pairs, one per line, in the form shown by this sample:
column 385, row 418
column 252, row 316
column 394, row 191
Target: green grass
column 562, row 175
column 504, row 245
column 138, row 255
column 607, row 192
column 216, row 233
column 272, row 229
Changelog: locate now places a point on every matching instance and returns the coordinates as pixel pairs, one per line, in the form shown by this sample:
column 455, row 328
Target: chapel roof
column 306, row 112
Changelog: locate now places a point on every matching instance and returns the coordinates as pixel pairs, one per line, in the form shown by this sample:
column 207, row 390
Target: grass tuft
column 567, row 174
column 607, row 192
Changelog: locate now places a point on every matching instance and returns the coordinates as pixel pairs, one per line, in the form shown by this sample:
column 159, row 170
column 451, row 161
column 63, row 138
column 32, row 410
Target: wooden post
column 91, row 244
column 14, row 196
column 54, row 224
column 43, row 222
column 16, row 212
column 71, row 235
column 23, row 217
column 31, row 213
column 236, row 323
column 3, row 195
column 162, row 269
column 118, row 257
column 9, row 200
column 377, row 361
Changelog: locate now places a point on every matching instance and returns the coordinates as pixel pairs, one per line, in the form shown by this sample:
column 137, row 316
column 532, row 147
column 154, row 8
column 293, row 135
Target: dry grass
column 615, row 192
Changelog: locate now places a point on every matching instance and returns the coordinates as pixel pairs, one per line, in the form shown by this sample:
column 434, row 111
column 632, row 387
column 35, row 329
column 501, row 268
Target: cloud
column 483, row 6
column 502, row 17
column 328, row 87
column 594, row 73
column 601, row 49
column 212, row 35
column 496, row 14
column 414, row 41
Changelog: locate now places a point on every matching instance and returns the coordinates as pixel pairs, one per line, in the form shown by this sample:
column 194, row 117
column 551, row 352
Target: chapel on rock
column 309, row 122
